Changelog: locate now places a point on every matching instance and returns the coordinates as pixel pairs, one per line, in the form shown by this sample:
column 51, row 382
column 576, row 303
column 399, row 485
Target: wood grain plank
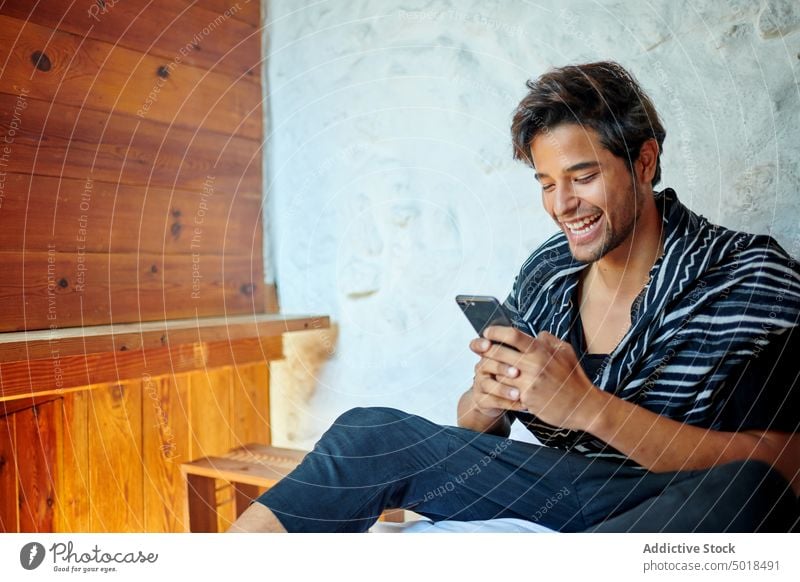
column 74, row 495
column 102, row 217
column 58, row 465
column 245, row 495
column 201, row 505
column 271, row 298
column 210, row 411
column 243, row 351
column 59, row 290
column 32, row 345
column 212, row 433
column 208, row 39
column 104, row 77
column 248, row 10
column 115, row 457
column 66, row 141
column 166, row 414
column 250, row 408
column 9, row 509
column 61, row 374
column 13, row 406
column 37, row 466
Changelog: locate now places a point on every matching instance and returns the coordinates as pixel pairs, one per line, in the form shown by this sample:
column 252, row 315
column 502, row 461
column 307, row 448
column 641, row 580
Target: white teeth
column 577, row 226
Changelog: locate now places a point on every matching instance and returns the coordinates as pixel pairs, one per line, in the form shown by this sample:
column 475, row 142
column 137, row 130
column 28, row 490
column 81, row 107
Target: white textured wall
column 391, row 186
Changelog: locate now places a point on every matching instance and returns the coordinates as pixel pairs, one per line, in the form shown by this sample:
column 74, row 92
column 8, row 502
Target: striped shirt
column 709, row 332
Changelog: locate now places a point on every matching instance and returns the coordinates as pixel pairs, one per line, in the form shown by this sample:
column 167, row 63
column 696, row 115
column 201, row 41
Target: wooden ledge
column 37, row 364
column 33, row 345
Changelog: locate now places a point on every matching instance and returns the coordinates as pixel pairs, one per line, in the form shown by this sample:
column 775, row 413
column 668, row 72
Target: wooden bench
column 249, row 469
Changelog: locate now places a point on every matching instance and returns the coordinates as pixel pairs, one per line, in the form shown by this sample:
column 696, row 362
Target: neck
column 626, row 269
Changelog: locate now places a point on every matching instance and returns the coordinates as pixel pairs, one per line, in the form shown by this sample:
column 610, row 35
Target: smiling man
column 652, row 354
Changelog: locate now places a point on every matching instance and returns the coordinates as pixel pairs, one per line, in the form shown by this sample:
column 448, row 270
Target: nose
column 565, row 203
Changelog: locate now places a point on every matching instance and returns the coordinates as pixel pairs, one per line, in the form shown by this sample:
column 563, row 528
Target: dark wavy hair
column 603, row 96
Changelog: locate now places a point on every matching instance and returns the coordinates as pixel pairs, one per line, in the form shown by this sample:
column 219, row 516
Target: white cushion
column 499, row 525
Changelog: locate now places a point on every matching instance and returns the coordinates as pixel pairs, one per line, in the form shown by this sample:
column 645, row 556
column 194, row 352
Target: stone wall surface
column 391, row 186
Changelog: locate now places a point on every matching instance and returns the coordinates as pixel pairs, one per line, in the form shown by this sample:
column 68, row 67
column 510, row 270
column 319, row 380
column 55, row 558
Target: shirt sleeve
column 766, row 395
column 510, row 304
column 511, row 307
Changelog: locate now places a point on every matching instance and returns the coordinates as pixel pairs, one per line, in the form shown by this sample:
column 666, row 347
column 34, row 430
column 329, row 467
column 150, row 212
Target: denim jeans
column 377, row 458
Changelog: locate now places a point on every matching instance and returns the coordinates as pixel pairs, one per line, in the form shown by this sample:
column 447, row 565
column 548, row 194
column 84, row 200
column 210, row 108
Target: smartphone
column 483, row 311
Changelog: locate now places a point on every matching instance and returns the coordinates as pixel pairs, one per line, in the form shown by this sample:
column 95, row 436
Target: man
column 648, row 354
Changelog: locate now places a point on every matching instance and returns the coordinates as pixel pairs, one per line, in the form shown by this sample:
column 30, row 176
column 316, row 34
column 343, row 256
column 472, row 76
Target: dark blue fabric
column 377, row 458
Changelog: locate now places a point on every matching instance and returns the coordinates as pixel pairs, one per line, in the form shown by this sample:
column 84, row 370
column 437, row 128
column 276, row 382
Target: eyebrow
column 573, row 168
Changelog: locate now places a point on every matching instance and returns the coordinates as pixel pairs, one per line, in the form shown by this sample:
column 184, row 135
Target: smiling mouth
column 584, row 225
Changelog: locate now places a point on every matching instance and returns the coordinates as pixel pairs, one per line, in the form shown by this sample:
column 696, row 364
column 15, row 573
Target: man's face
column 586, row 189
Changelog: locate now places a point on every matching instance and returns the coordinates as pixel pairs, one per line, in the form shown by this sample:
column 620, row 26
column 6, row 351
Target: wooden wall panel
column 9, row 514
column 212, row 432
column 102, row 217
column 74, row 498
column 211, row 401
column 107, row 458
column 166, row 422
column 215, row 38
column 101, row 76
column 251, row 404
column 115, row 457
column 66, row 141
column 248, row 9
column 65, row 289
column 36, row 466
column 131, row 137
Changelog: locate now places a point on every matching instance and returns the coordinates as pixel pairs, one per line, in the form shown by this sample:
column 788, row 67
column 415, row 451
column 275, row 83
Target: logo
column 31, row 555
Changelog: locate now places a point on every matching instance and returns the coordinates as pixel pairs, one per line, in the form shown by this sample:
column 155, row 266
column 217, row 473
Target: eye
column 548, row 187
column 586, row 179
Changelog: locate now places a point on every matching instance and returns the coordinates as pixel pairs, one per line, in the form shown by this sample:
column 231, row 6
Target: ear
column 646, row 163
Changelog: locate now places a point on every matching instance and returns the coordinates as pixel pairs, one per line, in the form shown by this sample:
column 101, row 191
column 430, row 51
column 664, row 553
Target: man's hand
column 482, row 408
column 492, row 393
column 546, row 372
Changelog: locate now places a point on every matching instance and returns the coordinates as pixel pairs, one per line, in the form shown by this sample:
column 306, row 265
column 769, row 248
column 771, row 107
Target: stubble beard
column 612, row 239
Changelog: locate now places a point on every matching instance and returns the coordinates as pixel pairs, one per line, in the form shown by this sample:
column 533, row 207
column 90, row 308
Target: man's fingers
column 489, row 366
column 509, row 336
column 479, row 345
column 504, row 355
column 487, row 401
column 550, row 340
column 498, row 395
column 502, row 334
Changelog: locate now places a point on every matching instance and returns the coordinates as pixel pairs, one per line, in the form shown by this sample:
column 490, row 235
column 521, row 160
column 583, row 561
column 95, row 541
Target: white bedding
column 500, row 525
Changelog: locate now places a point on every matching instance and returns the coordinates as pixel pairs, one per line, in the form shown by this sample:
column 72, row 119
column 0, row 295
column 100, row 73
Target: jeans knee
column 363, row 431
column 378, row 417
